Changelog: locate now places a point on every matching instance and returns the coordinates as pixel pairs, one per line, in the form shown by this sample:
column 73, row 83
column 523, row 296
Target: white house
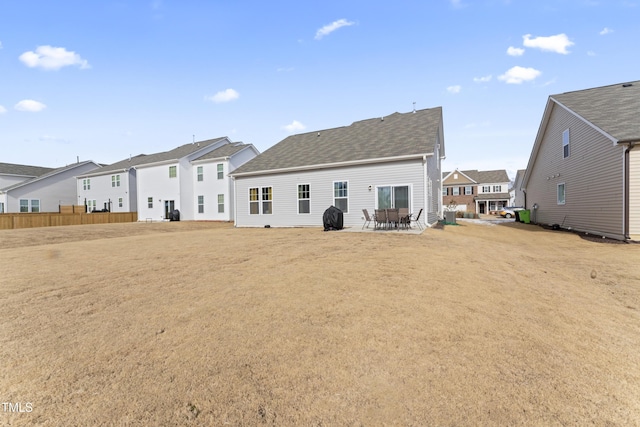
column 45, row 193
column 584, row 168
column 192, row 179
column 385, row 162
column 11, row 174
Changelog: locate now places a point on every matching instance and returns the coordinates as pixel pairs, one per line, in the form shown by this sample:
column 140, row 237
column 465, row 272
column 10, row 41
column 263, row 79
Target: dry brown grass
column 203, row 324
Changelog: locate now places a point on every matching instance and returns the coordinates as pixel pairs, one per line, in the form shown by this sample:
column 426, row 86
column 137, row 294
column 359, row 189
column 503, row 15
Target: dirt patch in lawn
column 202, row 324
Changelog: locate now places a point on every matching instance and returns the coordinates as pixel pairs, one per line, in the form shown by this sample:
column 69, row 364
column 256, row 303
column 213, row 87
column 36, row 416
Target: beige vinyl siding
column 592, row 174
column 634, row 194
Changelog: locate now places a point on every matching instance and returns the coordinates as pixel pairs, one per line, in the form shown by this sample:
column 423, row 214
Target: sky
column 103, row 80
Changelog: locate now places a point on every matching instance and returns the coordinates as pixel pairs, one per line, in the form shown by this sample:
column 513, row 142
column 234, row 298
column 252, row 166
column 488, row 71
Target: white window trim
column 176, row 168
column 198, row 204
column 470, row 187
column 260, row 201
column 218, row 202
column 564, row 188
column 566, row 141
column 486, row 189
column 199, row 174
column 333, row 192
column 218, row 172
column 298, row 198
column 410, row 186
column 455, row 191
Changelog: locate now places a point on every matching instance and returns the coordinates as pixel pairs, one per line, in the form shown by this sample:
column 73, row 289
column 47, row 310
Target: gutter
column 333, row 165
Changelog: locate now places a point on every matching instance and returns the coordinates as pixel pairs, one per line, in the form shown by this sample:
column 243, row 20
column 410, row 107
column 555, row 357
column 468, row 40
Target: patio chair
column 393, row 218
column 404, row 217
column 367, row 218
column 380, row 218
column 417, row 220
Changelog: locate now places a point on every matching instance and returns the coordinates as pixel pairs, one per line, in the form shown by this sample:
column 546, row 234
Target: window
column 456, row 191
column 35, row 206
column 258, row 195
column 444, row 191
column 468, row 190
column 341, row 195
column 119, row 202
column 393, row 197
column 304, row 203
column 86, row 184
column 220, row 171
column 561, row 194
column 565, row 144
column 200, row 174
column 91, row 205
column 267, row 200
column 150, row 202
column 200, row 204
column 254, row 202
column 220, row 203
column 486, row 189
column 24, row 205
column 115, row 180
column 497, row 188
column 173, row 171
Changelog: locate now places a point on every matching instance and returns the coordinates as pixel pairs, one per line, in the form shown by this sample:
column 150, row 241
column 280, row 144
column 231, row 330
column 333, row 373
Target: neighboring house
column 11, row 174
column 475, row 191
column 584, row 168
column 192, row 179
column 515, row 192
column 45, row 193
column 385, row 162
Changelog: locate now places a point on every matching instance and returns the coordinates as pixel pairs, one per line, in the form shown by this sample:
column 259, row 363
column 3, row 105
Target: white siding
column 103, row 192
column 593, row 177
column 634, row 194
column 155, row 182
column 210, row 187
column 52, row 191
column 360, row 178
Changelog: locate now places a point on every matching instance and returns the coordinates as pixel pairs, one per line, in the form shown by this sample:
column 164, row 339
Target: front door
column 169, row 205
column 481, row 207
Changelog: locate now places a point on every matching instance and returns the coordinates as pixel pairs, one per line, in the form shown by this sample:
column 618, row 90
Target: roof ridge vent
column 627, row 85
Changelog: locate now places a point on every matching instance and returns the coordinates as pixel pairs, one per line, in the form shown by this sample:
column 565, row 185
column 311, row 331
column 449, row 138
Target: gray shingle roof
column 499, row 175
column 23, row 170
column 224, row 151
column 48, row 174
column 143, row 159
column 400, row 134
column 615, row 109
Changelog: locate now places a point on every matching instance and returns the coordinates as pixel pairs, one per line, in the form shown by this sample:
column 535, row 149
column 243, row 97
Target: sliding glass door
column 389, row 197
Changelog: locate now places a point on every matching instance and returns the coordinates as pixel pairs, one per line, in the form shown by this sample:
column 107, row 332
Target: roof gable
column 387, row 137
column 53, row 172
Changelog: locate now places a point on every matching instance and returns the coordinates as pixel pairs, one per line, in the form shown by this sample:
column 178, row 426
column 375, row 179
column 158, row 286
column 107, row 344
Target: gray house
column 584, row 168
column 11, row 174
column 46, row 192
column 391, row 161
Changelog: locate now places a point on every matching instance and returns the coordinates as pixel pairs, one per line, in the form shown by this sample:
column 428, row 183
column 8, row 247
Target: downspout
column 235, row 202
column 426, row 190
column 625, row 193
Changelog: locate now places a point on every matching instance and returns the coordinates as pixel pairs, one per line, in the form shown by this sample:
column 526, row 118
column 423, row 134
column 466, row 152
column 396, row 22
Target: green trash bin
column 525, row 216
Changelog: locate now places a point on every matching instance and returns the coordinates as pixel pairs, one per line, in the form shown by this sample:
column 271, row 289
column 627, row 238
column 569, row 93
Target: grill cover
column 332, row 219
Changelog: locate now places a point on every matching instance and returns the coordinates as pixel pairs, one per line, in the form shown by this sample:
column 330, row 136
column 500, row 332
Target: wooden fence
column 48, row 219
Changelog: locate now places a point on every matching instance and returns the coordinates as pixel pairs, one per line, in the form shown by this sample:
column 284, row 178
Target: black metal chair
column 417, row 219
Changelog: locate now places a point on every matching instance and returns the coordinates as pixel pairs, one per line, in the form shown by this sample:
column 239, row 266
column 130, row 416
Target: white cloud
column 224, row 96
column 558, row 43
column 294, row 126
column 29, row 105
column 454, row 89
column 483, row 79
column 517, row 75
column 330, row 28
column 606, row 31
column 591, row 53
column 515, row 51
column 2, row 110
column 52, row 58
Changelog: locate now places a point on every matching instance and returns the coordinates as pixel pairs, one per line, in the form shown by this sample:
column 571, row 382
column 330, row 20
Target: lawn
column 202, row 324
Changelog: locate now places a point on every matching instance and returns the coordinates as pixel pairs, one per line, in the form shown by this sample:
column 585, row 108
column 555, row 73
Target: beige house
column 482, row 192
column 584, row 169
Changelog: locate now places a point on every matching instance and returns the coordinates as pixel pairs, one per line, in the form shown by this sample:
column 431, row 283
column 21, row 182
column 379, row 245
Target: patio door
column 169, row 206
column 393, row 197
